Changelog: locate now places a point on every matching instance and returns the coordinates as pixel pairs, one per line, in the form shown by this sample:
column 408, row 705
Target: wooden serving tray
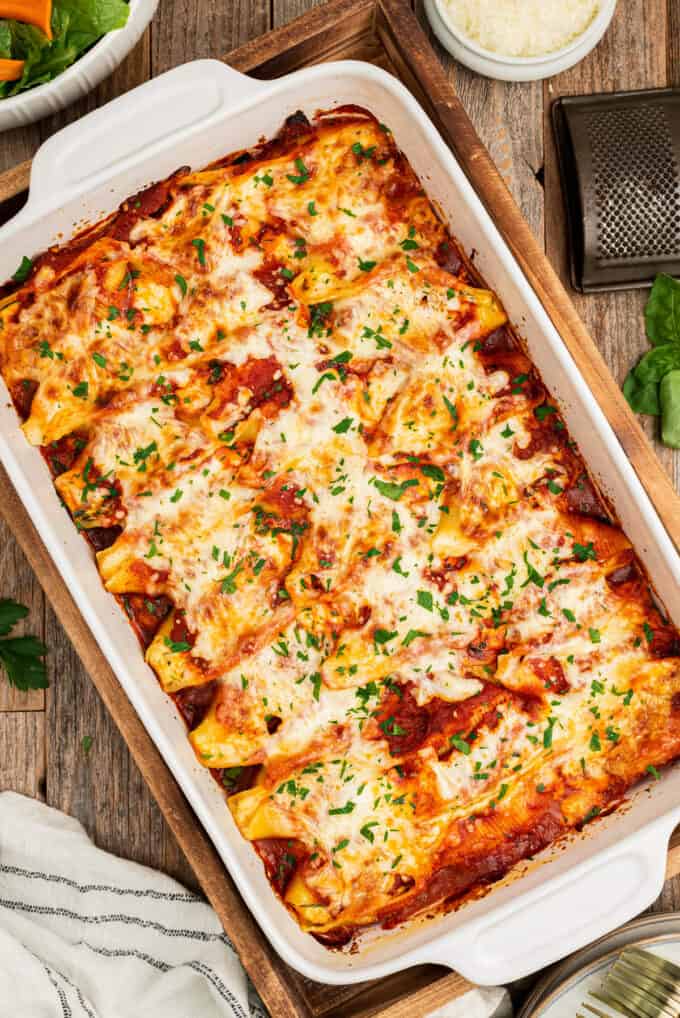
column 384, row 32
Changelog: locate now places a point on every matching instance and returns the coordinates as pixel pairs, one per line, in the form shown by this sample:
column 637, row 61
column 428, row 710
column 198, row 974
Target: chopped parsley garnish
column 228, row 585
column 362, row 153
column 583, row 552
column 366, row 266
column 367, row 830
column 390, row 489
column 176, row 646
column 533, row 576
column 453, row 413
column 24, row 270
column 383, row 636
column 182, row 284
column 318, row 317
column 315, row 679
column 302, row 175
column 349, row 807
column 476, row 449
column 344, row 425
column 459, row 743
column 433, row 472
column 199, row 244
column 413, row 634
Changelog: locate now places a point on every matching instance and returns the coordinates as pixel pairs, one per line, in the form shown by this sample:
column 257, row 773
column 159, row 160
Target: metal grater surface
column 620, row 164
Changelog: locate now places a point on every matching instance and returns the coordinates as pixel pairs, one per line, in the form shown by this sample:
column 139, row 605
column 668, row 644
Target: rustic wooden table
column 42, row 748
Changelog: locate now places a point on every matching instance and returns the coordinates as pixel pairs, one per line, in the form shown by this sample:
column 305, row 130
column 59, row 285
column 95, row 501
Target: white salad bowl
column 82, row 76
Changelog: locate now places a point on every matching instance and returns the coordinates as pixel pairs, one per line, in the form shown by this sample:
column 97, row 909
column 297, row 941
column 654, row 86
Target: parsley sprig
column 21, row 655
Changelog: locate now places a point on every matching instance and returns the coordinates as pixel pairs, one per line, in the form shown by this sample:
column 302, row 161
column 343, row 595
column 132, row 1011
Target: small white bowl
column 508, row 68
column 82, row 76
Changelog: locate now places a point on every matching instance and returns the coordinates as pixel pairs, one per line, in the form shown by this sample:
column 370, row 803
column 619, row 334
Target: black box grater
column 619, row 158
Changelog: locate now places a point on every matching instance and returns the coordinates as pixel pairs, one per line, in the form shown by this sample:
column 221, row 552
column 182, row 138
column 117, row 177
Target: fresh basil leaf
column 662, row 312
column 669, row 398
column 656, row 363
column 643, row 399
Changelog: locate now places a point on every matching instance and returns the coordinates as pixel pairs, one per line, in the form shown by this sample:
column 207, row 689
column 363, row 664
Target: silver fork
column 638, row 985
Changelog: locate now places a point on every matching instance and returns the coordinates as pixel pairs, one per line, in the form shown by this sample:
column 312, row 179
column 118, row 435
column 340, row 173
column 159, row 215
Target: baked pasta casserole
column 347, row 521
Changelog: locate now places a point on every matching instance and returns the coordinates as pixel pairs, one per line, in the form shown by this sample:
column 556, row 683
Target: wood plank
column 189, row 29
column 330, row 31
column 22, row 761
column 673, row 43
column 284, row 11
column 15, row 179
column 508, row 117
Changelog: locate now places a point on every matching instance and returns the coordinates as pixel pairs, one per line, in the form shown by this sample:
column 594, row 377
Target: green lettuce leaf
column 662, row 313
column 76, row 26
column 5, row 40
column 89, row 20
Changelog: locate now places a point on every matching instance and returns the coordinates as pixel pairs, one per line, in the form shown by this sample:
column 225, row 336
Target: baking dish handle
column 145, row 118
column 562, row 916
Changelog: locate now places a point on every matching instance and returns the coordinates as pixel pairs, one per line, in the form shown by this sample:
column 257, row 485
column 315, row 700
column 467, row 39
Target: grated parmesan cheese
column 521, row 28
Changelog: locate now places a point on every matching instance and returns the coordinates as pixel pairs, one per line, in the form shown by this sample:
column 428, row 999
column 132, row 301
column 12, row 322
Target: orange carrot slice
column 11, row 70
column 34, row 12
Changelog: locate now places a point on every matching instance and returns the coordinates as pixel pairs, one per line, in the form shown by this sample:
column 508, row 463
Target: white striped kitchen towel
column 84, row 934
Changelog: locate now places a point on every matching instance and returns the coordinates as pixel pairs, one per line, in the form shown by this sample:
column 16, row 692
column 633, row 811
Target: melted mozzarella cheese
column 270, row 405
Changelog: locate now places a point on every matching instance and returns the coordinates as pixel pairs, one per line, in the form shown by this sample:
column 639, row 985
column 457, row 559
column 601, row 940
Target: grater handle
column 562, row 915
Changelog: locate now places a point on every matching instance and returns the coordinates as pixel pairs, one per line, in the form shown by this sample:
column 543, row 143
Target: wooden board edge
column 15, row 180
column 396, row 22
column 266, row 970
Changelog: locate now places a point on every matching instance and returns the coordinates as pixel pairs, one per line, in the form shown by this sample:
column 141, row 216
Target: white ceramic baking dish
column 192, row 115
